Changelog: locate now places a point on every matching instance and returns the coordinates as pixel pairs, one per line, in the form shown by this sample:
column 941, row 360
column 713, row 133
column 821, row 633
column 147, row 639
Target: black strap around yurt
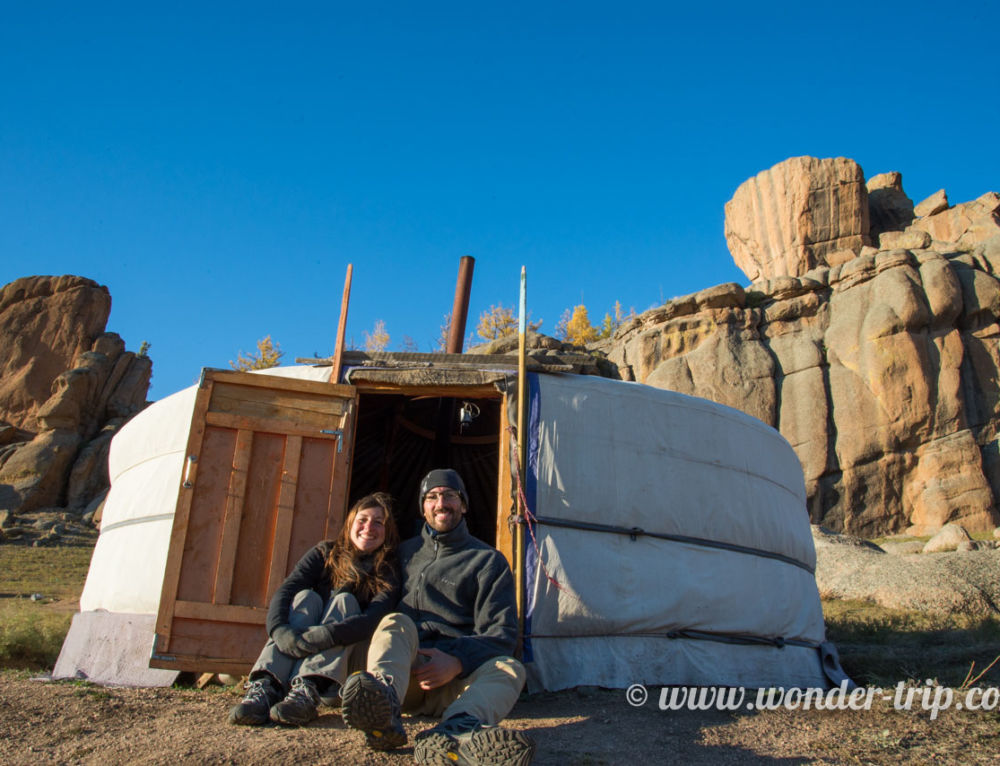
column 698, row 635
column 635, row 532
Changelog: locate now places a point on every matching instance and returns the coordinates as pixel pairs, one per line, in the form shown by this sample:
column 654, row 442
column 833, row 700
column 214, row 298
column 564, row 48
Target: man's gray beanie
column 443, row 477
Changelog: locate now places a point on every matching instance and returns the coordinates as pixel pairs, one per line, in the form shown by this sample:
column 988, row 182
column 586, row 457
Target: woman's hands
column 315, row 640
column 286, row 639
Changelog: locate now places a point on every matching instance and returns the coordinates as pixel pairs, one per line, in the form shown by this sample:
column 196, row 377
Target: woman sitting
column 332, row 600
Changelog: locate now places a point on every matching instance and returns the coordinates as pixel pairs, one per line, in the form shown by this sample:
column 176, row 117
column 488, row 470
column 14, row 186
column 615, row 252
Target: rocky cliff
column 868, row 337
column 65, row 387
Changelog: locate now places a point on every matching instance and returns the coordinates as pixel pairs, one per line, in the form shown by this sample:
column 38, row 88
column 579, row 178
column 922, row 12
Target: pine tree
column 442, row 343
column 267, row 356
column 612, row 323
column 579, row 330
column 377, row 339
column 496, row 322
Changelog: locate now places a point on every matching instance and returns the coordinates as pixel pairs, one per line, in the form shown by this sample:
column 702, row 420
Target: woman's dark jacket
column 311, row 573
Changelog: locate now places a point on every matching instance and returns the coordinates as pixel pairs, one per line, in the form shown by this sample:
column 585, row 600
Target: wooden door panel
column 313, row 490
column 266, row 478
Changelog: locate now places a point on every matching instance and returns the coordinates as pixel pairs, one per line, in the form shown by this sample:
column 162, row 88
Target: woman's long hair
column 342, row 561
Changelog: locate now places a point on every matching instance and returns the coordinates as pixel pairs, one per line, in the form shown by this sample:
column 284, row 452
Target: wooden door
column 265, row 478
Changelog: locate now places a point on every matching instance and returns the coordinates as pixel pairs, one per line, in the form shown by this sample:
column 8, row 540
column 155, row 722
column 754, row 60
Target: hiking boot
column 299, row 707
column 369, row 703
column 464, row 741
column 254, row 708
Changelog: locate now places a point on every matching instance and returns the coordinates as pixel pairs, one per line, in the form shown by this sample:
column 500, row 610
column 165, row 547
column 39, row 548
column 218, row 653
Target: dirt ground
column 67, row 722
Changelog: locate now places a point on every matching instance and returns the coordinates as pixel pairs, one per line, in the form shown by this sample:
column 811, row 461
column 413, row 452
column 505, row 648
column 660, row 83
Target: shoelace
column 302, row 689
column 255, row 691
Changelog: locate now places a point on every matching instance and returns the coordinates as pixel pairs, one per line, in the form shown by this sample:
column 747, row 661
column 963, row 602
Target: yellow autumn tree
column 496, row 322
column 378, row 338
column 499, row 322
column 613, row 321
column 578, row 329
column 267, row 356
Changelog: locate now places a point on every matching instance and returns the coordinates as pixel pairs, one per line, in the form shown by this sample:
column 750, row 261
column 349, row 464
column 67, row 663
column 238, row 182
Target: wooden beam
column 284, row 513
column 231, row 519
column 195, row 610
column 338, row 352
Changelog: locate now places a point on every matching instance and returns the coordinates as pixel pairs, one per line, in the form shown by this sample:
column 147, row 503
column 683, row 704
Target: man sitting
column 453, row 636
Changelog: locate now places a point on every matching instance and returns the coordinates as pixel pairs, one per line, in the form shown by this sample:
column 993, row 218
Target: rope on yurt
column 635, row 532
column 699, row 635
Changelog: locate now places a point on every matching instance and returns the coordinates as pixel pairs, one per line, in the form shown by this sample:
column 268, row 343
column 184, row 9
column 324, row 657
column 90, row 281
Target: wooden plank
column 248, row 396
column 338, row 350
column 197, row 610
column 336, row 509
column 231, row 518
column 312, row 491
column 182, row 513
column 273, row 425
column 485, row 391
column 285, row 512
column 270, row 404
column 505, row 504
column 204, row 529
column 263, row 380
column 205, row 646
column 438, row 359
column 198, row 664
column 253, row 554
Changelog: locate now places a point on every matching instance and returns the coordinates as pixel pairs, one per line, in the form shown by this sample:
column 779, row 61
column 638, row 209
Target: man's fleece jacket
column 460, row 593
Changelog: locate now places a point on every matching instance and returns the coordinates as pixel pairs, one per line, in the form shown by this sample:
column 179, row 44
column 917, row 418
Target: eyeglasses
column 445, row 497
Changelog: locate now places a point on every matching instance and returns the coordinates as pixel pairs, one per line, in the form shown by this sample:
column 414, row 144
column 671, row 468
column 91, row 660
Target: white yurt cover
column 717, row 587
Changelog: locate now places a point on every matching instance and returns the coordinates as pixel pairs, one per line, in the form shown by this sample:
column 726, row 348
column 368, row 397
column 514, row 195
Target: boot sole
column 486, row 747
column 436, row 750
column 364, row 706
column 500, row 747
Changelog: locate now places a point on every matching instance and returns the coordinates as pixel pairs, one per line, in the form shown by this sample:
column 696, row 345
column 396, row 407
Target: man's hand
column 438, row 670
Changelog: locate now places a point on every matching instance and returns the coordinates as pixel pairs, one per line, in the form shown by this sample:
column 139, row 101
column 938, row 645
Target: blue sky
column 218, row 165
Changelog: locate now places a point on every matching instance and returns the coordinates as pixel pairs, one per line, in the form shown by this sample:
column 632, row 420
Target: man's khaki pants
column 488, row 693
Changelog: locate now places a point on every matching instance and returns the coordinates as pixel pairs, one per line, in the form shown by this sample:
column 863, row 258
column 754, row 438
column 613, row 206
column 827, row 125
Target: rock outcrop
column 45, row 323
column 879, row 364
column 790, row 219
column 67, row 387
column 955, row 583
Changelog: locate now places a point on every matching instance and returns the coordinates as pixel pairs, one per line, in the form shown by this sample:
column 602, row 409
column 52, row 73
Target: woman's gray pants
column 308, row 610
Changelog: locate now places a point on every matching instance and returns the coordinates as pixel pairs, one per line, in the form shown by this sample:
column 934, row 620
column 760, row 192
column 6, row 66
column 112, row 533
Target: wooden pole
column 522, row 452
column 338, row 353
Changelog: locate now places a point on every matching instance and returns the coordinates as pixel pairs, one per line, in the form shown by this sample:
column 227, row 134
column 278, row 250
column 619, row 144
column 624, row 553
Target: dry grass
column 32, row 632
column 880, row 646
